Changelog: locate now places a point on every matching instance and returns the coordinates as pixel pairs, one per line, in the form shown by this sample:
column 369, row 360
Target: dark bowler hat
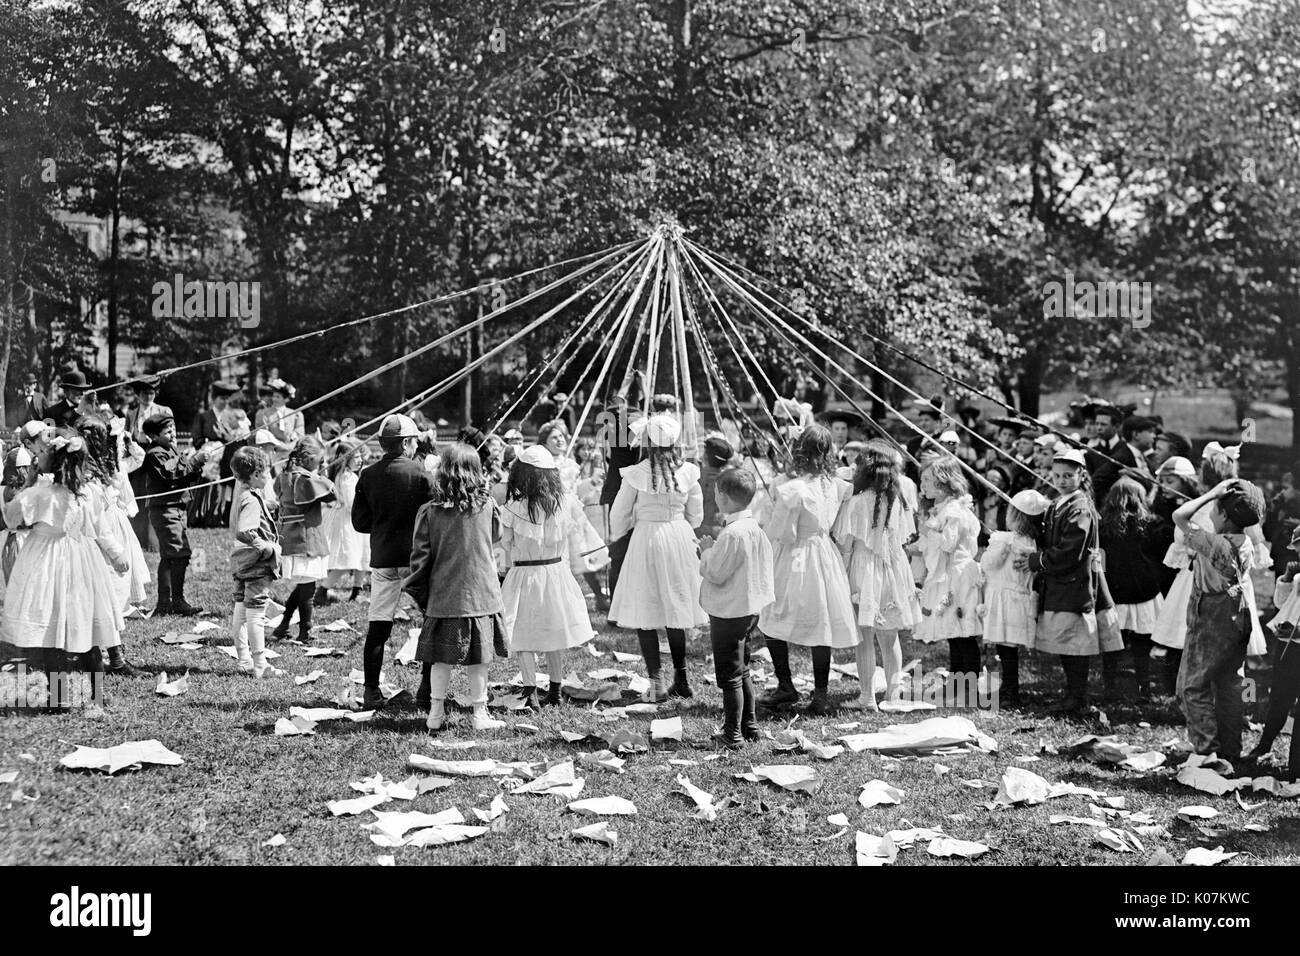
column 74, row 379
column 224, row 388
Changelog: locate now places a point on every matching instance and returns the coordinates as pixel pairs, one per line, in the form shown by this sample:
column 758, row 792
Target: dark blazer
column 166, row 472
column 457, row 547
column 1065, row 556
column 207, row 427
column 34, row 409
column 1134, row 562
column 62, row 413
column 1107, row 473
column 389, row 495
column 620, row 457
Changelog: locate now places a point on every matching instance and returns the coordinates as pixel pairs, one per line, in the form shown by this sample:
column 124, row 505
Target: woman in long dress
column 660, row 502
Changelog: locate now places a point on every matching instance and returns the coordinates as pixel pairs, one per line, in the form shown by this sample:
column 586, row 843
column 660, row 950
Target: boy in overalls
column 1218, row 616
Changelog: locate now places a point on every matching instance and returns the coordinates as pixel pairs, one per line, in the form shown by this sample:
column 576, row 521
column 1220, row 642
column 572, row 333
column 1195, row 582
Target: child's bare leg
column 891, row 656
column 866, row 655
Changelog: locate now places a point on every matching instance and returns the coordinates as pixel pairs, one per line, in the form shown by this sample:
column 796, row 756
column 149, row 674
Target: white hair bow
column 75, row 443
column 1214, row 448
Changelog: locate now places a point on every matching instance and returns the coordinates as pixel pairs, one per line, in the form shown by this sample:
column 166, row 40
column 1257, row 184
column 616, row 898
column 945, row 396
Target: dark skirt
column 462, row 640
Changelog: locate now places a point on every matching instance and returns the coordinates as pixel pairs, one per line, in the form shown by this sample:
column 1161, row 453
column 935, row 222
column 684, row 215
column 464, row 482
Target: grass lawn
column 240, row 784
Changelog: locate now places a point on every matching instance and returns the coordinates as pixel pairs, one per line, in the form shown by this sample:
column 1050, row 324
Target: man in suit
column 145, row 408
column 1106, row 421
column 1138, row 436
column 929, row 418
column 389, row 494
column 67, row 409
column 34, row 403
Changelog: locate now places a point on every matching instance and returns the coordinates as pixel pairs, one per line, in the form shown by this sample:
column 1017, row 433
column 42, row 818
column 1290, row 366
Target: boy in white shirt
column 737, row 572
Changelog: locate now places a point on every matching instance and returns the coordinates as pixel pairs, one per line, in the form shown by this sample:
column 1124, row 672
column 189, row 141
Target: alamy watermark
column 208, row 300
column 1104, row 300
column 24, row 689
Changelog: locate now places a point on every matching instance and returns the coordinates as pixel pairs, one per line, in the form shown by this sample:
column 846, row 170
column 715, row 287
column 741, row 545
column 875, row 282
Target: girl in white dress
column 950, row 594
column 660, row 502
column 107, row 456
column 813, row 606
column 349, row 548
column 545, row 612
column 61, row 603
column 1010, row 604
column 871, row 531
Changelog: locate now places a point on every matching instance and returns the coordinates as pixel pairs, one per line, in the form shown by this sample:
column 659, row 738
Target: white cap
column 264, row 437
column 950, row 436
column 1047, row 440
column 1031, row 502
column 399, row 426
column 539, row 457
column 663, row 430
column 1177, row 465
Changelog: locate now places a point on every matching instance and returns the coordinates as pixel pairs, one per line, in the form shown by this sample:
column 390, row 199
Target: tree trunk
column 1029, row 384
column 1291, row 347
column 114, row 257
column 9, row 279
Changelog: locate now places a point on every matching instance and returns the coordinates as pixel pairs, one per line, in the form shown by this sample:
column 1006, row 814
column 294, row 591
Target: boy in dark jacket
column 388, row 497
column 168, row 474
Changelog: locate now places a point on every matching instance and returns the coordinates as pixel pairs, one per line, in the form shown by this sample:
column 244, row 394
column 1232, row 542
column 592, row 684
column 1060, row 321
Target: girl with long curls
column 813, row 606
column 660, row 501
column 104, row 456
column 545, row 613
column 453, row 578
column 871, row 532
column 60, row 608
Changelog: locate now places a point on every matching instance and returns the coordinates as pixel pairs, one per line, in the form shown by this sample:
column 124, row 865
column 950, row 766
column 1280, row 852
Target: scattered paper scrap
column 356, row 805
column 385, row 860
column 947, row 846
column 628, row 742
column 905, row 839
column 1208, row 781
column 309, row 678
column 177, row 637
column 294, row 727
column 406, row 656
column 230, row 652
column 705, row 810
column 497, row 808
column 1203, row 856
column 1119, row 839
column 559, row 780
column 442, row 835
column 337, row 625
column 872, row 850
column 623, row 658
column 838, row 820
column 1021, row 786
column 603, row 807
column 1065, row 789
column 787, row 776
column 112, row 759
column 1197, row 812
column 600, row 832
column 396, row 823
column 669, row 728
column 457, row 768
column 174, row 688
column 323, row 652
column 277, row 840
column 930, row 734
column 1147, row 760
column 877, row 792
column 602, row 760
